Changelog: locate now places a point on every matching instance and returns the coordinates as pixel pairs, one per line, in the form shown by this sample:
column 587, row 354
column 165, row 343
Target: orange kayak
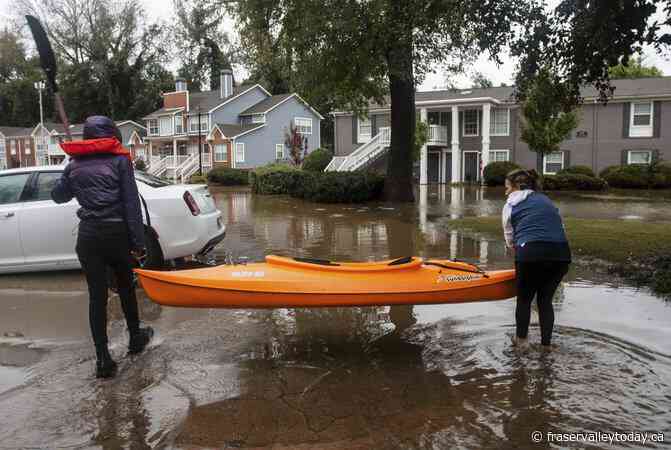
column 297, row 282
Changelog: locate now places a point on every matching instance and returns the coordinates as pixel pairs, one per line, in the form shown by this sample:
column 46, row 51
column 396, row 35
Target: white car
column 36, row 234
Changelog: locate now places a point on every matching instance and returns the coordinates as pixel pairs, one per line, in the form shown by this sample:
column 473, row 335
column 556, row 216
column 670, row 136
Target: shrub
column 638, row 176
column 317, row 160
column 495, row 172
column 573, row 182
column 580, row 170
column 327, row 187
column 228, row 176
column 140, row 165
column 198, row 179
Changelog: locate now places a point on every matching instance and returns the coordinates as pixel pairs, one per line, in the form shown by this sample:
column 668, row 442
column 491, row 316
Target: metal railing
column 437, row 134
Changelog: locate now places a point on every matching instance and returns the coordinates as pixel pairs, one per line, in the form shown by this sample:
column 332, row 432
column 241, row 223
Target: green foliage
column 317, row 160
column 326, row 187
column 228, row 177
column 421, row 137
column 638, row 176
column 634, row 68
column 545, row 120
column 581, row 170
column 198, row 179
column 140, row 164
column 573, row 182
column 479, row 80
column 495, row 172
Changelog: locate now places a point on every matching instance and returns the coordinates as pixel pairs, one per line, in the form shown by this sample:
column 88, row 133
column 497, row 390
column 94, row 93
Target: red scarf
column 95, row 147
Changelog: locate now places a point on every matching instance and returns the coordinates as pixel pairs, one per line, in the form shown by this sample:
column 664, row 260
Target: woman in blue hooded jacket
column 533, row 228
column 100, row 175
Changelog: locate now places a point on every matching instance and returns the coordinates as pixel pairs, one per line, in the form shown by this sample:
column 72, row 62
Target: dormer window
column 258, row 118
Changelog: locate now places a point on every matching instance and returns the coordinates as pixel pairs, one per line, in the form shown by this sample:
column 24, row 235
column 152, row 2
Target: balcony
column 437, row 135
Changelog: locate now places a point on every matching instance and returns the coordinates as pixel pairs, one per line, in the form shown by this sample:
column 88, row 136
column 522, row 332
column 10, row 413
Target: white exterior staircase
column 363, row 155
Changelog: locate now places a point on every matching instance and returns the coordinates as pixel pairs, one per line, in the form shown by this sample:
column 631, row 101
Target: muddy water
column 430, row 377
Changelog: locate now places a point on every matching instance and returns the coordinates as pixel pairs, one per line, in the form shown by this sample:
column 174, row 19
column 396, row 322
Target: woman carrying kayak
column 111, row 233
column 533, row 228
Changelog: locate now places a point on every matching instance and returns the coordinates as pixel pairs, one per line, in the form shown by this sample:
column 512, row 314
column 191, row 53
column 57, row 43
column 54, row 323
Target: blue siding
column 260, row 144
column 230, row 111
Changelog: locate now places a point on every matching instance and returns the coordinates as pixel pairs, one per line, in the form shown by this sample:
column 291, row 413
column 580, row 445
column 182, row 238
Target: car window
column 45, row 183
column 11, row 187
column 150, row 180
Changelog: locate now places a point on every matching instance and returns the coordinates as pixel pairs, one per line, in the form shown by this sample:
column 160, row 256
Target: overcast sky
column 162, row 9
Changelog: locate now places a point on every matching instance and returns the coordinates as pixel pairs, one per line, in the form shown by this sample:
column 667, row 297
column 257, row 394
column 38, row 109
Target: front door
column 433, row 167
column 471, row 167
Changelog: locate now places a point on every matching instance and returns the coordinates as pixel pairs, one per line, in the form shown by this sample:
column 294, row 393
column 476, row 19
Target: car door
column 12, row 187
column 48, row 230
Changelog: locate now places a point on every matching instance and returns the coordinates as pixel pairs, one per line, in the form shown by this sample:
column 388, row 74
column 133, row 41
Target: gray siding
column 229, row 112
column 260, row 144
column 605, row 126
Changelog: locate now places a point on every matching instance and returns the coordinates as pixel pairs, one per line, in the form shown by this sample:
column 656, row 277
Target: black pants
column 538, row 279
column 101, row 245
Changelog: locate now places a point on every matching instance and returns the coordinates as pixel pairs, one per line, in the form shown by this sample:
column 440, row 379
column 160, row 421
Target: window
column 365, row 130
column 499, row 123
column 639, row 156
column 220, row 153
column 239, row 152
column 193, row 123
column 26, row 148
column 12, row 147
column 165, row 125
column 499, row 155
column 259, row 118
column 46, row 181
column 11, row 187
column 553, row 163
column 641, row 120
column 152, row 124
column 304, row 126
column 179, row 124
column 471, row 122
column 279, row 151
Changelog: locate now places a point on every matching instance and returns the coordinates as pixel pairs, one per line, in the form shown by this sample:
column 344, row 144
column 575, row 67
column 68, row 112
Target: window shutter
column 355, row 130
column 567, row 158
column 626, row 114
column 539, row 163
column 657, row 119
column 623, row 159
column 655, row 156
column 373, row 125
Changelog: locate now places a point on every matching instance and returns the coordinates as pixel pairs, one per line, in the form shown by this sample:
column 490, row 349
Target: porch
column 178, row 159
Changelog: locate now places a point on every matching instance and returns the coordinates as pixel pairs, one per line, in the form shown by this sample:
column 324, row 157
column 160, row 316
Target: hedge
column 579, row 170
column 228, row 176
column 495, row 172
column 573, row 182
column 317, row 160
column 636, row 176
column 198, row 179
column 326, row 187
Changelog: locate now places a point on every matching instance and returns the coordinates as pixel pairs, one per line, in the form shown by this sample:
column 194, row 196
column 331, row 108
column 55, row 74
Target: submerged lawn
column 637, row 249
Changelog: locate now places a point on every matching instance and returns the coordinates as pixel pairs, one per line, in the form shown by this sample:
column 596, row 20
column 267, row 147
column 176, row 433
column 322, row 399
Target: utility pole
column 200, row 148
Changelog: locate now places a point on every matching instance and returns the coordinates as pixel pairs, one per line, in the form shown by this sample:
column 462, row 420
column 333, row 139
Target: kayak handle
column 463, row 269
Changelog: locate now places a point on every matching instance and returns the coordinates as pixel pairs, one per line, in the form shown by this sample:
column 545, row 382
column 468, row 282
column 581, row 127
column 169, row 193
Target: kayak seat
column 321, row 262
column 404, row 260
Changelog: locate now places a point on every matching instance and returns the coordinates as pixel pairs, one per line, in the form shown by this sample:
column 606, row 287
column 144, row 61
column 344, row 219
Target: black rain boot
column 105, row 365
column 139, row 340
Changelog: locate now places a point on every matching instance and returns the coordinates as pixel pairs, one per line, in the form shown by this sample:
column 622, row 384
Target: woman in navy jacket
column 100, row 175
column 534, row 230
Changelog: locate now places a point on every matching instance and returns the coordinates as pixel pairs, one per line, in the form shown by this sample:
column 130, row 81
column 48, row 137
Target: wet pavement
column 424, row 377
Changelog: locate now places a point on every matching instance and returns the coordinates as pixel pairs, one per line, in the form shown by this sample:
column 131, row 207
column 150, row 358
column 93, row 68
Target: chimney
column 180, row 84
column 226, row 83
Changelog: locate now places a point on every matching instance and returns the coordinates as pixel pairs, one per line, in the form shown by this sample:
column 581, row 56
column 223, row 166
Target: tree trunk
column 398, row 183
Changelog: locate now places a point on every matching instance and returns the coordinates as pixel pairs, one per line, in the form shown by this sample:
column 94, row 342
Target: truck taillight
column 191, row 203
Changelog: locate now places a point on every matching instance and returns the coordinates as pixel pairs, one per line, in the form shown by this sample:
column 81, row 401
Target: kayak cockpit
column 326, row 265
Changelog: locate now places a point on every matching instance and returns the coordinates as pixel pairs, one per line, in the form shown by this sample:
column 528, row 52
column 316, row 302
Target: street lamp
column 39, row 86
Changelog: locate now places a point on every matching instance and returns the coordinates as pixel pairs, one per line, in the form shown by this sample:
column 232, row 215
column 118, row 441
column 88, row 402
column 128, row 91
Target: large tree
column 110, row 58
column 204, row 47
column 381, row 49
column 634, row 68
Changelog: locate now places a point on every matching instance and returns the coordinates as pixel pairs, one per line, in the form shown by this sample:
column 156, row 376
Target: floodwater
column 423, row 377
